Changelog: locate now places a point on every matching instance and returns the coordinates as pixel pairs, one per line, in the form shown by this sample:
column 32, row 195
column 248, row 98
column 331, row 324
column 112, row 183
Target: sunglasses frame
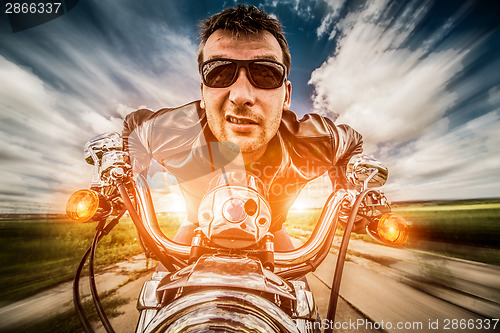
column 245, row 64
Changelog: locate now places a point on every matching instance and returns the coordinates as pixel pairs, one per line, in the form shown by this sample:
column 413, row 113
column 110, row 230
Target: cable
column 339, row 267
column 76, row 296
column 101, row 232
column 93, row 289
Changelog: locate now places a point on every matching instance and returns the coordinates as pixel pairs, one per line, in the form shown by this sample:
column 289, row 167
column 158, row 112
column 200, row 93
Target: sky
column 419, row 79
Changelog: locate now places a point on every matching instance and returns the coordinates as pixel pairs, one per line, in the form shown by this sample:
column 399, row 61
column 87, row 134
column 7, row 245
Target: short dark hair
column 243, row 19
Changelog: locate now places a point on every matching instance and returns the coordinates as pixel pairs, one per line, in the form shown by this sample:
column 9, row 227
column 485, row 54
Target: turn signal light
column 392, row 229
column 82, row 205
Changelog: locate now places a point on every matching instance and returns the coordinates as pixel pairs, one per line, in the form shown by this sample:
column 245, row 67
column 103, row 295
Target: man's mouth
column 241, row 121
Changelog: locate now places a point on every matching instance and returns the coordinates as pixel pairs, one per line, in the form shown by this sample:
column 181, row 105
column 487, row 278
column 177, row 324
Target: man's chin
column 247, row 148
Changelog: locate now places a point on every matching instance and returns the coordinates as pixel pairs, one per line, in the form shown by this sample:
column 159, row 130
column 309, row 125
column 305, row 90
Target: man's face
column 242, row 113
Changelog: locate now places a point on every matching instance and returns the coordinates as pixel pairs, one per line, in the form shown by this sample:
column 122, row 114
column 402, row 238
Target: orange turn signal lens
column 392, row 229
column 82, row 205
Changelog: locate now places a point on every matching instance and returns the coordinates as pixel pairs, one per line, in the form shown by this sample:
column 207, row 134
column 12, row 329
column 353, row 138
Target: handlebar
column 147, row 222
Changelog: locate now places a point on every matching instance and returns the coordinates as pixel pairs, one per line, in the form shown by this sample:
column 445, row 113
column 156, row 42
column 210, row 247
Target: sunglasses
column 264, row 74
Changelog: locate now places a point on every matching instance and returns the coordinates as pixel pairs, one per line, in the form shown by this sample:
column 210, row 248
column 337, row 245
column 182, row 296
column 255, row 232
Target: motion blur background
column 419, row 79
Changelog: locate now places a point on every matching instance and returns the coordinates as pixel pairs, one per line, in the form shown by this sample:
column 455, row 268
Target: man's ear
column 288, row 95
column 202, row 101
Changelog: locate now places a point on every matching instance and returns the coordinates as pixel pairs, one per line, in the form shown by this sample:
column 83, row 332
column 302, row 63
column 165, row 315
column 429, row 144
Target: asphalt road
column 388, row 299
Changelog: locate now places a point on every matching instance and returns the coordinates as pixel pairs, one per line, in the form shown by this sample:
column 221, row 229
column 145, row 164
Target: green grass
column 473, row 225
column 467, row 230
column 462, row 229
column 37, row 254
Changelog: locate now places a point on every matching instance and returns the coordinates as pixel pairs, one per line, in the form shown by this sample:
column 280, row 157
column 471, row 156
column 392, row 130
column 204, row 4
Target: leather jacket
column 180, row 140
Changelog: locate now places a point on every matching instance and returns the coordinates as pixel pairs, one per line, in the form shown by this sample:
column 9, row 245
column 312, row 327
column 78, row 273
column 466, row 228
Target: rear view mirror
column 366, row 171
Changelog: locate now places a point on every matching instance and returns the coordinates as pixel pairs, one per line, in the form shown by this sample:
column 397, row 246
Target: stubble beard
column 247, row 143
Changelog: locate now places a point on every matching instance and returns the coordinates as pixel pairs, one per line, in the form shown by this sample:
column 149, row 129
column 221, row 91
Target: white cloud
column 384, row 92
column 399, row 98
column 38, row 155
column 462, row 162
column 302, row 8
column 79, row 85
column 333, row 14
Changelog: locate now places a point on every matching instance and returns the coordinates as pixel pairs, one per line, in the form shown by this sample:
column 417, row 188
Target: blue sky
column 419, row 79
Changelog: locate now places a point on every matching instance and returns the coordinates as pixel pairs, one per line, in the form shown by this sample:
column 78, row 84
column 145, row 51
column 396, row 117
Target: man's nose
column 242, row 92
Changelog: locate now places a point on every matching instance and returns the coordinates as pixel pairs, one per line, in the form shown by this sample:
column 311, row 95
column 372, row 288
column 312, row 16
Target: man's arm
column 131, row 122
column 346, row 142
column 135, row 139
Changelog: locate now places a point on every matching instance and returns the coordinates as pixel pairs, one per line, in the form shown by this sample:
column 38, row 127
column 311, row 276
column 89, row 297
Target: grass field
column 467, row 230
column 36, row 254
column 462, row 229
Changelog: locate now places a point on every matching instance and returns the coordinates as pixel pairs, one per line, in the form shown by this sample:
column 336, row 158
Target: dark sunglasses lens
column 266, row 74
column 219, row 73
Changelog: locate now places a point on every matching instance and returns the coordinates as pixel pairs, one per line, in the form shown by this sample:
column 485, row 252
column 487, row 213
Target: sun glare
column 171, row 202
column 301, row 205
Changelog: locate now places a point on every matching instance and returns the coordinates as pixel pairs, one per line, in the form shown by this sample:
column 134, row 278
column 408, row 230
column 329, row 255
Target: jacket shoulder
column 165, row 117
column 138, row 117
column 318, row 138
column 312, row 125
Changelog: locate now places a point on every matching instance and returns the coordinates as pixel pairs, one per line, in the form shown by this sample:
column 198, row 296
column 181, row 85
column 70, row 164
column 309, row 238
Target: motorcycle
column 230, row 278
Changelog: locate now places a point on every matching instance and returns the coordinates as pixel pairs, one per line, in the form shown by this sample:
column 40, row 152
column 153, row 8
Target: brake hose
column 76, row 296
column 80, row 312
column 339, row 267
column 93, row 289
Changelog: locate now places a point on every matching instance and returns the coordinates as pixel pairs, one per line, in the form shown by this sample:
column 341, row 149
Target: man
column 244, row 62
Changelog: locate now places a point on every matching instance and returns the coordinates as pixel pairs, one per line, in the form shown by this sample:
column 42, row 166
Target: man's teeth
column 238, row 121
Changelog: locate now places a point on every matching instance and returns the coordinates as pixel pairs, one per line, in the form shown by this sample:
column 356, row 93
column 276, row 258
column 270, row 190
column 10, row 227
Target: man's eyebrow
column 217, row 56
column 267, row 57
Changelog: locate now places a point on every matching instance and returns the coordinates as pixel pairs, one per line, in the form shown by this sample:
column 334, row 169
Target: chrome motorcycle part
column 326, row 222
column 146, row 218
column 306, row 306
column 114, row 163
column 96, row 146
column 155, row 241
column 235, row 213
column 219, row 310
column 94, row 150
column 225, row 271
column 366, row 171
column 148, row 302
